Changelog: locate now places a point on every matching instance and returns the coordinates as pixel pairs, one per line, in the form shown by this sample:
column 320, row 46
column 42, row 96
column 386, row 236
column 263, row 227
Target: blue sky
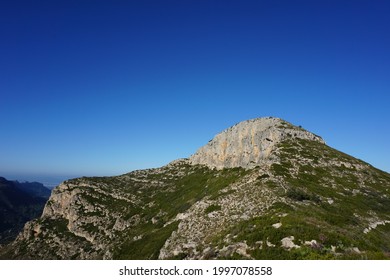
column 105, row 87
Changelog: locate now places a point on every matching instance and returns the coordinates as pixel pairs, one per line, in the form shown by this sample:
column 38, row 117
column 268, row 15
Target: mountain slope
column 35, row 189
column 263, row 189
column 16, row 208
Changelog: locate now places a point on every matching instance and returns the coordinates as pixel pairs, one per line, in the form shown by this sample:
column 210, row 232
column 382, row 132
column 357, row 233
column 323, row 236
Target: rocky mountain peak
column 249, row 143
column 191, row 211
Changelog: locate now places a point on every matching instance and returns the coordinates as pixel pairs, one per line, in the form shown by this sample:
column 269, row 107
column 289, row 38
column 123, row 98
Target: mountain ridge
column 222, row 209
column 19, row 203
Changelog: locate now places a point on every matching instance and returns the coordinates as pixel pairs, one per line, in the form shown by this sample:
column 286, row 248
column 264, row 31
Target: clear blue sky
column 105, row 87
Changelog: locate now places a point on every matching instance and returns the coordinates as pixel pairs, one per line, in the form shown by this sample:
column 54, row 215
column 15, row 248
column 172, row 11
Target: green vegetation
column 327, row 201
column 332, row 242
column 338, row 221
column 264, row 176
column 167, row 194
column 212, row 208
column 301, row 195
column 148, row 247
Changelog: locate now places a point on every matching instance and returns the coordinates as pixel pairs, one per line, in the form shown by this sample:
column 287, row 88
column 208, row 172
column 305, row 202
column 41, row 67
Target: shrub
column 212, row 208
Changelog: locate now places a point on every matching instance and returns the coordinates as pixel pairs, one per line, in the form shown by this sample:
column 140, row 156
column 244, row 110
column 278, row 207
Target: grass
column 305, row 228
column 301, row 195
column 212, row 208
column 148, row 247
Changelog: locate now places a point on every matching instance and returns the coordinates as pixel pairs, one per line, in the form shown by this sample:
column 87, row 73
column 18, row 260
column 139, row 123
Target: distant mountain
column 262, row 189
column 34, row 189
column 19, row 203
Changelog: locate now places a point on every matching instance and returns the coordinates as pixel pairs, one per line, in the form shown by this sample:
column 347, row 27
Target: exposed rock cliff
column 249, row 143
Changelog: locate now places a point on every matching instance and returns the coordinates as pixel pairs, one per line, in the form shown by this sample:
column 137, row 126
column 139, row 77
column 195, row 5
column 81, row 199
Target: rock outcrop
column 249, row 143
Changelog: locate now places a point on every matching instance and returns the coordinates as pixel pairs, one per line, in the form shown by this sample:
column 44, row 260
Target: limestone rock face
column 248, row 143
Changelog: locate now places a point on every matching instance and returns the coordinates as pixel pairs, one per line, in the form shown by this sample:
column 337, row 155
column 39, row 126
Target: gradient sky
column 106, row 87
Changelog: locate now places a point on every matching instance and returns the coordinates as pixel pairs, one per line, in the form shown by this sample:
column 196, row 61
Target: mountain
column 35, row 189
column 19, row 203
column 262, row 189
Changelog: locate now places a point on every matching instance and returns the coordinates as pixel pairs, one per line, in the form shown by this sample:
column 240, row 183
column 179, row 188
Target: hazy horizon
column 49, row 181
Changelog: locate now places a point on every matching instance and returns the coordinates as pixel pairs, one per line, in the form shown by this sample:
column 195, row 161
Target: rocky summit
column 249, row 143
column 262, row 189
